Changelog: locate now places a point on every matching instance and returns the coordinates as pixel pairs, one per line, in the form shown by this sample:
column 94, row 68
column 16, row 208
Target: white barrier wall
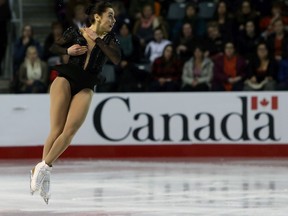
column 155, row 119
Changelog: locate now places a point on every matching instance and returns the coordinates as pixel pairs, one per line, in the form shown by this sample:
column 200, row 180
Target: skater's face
column 106, row 20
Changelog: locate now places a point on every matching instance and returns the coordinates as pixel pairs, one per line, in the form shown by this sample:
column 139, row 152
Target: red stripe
column 274, row 103
column 254, row 101
column 159, row 151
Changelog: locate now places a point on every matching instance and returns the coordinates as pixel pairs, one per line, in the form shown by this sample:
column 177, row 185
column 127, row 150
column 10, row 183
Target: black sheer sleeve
column 110, row 49
column 60, row 46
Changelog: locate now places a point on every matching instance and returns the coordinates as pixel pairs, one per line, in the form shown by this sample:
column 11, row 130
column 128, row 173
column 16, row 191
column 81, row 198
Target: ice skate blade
column 31, row 191
column 46, row 200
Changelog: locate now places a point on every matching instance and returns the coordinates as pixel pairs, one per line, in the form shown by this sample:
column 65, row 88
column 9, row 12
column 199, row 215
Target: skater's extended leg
column 60, row 97
column 76, row 115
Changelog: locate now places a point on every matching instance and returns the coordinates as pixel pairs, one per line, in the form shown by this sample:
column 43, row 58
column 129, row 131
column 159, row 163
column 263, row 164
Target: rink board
column 155, row 125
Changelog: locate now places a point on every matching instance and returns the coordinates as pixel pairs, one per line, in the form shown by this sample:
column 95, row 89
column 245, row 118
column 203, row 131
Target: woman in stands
column 72, row 91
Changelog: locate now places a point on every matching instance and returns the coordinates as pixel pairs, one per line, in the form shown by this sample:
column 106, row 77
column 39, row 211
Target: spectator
column 121, row 15
column 129, row 44
column 136, row 8
column 56, row 33
column 229, row 70
column 197, row 72
column 246, row 13
column 267, row 22
column 79, row 16
column 145, row 26
column 278, row 41
column 248, row 40
column 262, row 70
column 224, row 19
column 185, row 43
column 154, row 49
column 166, row 71
column 70, row 9
column 214, row 41
column 129, row 77
column 21, row 45
column 5, row 16
column 191, row 17
column 33, row 73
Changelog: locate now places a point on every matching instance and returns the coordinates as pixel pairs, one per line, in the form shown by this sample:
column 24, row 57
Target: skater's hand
column 93, row 35
column 76, row 50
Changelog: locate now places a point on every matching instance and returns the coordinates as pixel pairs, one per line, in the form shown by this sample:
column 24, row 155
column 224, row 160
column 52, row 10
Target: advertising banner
column 155, row 119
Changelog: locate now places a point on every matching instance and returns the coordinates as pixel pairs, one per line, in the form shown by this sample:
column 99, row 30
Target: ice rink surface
column 210, row 187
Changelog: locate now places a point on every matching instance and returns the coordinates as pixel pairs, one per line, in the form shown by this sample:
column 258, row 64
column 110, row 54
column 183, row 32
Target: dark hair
column 173, row 53
column 98, row 8
column 200, row 47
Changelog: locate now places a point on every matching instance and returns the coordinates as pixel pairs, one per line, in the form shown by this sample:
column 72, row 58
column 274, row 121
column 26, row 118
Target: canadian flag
column 273, row 102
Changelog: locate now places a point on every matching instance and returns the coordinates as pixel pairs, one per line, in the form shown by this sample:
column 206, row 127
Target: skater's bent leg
column 60, row 97
column 76, row 115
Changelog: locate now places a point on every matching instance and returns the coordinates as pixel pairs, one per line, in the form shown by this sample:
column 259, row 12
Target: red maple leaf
column 264, row 102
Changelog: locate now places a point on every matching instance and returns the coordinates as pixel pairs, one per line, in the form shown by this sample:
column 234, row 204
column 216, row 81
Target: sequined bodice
column 97, row 58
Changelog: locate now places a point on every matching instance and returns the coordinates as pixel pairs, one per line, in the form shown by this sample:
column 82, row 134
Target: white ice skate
column 37, row 176
column 45, row 189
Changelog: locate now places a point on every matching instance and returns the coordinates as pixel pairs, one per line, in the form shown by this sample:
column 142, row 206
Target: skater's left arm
column 111, row 50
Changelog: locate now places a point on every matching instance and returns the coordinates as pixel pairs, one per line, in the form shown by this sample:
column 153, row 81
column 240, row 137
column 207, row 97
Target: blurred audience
column 5, row 16
column 197, row 72
column 129, row 77
column 166, row 71
column 246, row 13
column 191, row 17
column 33, row 73
column 145, row 25
column 185, row 42
column 262, row 70
column 21, row 45
column 229, row 70
column 278, row 41
column 243, row 44
column 214, row 40
column 154, row 48
column 55, row 34
column 248, row 40
column 225, row 19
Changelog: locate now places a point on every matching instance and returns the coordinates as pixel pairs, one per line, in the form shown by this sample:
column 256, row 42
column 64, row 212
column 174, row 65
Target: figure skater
column 71, row 92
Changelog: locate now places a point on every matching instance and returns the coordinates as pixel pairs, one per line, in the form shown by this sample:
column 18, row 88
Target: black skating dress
column 78, row 77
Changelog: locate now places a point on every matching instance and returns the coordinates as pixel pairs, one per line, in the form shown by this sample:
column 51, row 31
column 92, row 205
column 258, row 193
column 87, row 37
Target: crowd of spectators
column 239, row 45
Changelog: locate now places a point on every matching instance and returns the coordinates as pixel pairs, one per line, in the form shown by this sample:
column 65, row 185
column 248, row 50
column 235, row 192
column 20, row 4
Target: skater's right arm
column 61, row 45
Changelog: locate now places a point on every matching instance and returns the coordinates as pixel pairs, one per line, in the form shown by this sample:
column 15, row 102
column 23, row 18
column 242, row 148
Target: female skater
column 71, row 92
